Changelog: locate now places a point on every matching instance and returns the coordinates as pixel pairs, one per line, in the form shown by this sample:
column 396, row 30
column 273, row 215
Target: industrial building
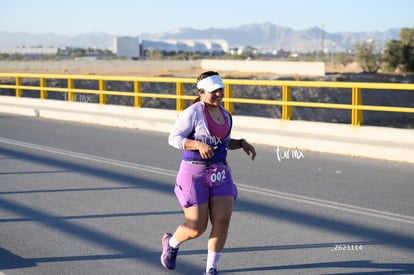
column 188, row 45
column 132, row 47
column 33, row 51
column 127, row 46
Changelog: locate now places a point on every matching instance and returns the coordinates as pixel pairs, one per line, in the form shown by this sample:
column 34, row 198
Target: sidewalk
column 367, row 141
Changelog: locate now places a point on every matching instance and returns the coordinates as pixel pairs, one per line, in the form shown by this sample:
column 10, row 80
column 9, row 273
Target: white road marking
column 247, row 188
column 329, row 204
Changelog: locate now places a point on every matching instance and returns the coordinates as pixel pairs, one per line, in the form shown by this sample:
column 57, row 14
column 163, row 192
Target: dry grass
column 352, row 71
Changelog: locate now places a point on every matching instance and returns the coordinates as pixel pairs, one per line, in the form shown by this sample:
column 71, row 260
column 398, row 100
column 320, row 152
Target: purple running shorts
column 197, row 183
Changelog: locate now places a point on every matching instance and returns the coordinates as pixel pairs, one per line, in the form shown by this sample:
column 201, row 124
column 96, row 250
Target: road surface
column 85, row 199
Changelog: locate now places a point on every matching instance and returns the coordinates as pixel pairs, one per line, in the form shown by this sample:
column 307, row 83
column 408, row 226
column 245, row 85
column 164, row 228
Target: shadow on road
column 389, row 268
column 127, row 249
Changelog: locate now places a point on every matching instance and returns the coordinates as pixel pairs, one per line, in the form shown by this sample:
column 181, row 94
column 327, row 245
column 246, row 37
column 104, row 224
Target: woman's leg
column 221, row 209
column 196, row 220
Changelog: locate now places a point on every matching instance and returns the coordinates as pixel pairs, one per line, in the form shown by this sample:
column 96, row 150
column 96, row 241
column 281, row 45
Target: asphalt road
column 84, row 199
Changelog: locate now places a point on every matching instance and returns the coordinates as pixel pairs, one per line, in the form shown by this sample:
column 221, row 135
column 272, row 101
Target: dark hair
column 206, row 74
column 201, row 77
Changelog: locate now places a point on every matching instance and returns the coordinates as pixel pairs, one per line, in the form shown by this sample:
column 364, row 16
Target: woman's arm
column 206, row 151
column 243, row 144
column 181, row 129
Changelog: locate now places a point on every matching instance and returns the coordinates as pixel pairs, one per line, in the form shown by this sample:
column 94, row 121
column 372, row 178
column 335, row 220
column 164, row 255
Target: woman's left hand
column 248, row 148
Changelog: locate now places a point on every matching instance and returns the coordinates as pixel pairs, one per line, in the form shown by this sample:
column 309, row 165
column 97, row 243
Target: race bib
column 217, row 174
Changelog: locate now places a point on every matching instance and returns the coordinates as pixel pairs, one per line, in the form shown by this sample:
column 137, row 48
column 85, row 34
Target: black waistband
column 196, row 162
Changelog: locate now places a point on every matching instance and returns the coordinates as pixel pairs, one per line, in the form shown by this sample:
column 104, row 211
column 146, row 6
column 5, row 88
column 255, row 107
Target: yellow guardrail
column 286, row 101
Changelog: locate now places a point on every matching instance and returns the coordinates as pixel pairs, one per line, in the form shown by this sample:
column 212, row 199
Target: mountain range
column 264, row 36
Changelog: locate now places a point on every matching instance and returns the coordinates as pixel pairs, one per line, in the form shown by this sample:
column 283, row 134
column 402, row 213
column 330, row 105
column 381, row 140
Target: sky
column 135, row 17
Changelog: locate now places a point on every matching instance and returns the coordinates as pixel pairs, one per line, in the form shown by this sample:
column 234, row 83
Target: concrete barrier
column 366, row 141
column 273, row 67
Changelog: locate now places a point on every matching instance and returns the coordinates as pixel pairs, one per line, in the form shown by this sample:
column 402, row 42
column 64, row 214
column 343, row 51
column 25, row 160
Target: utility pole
column 322, row 40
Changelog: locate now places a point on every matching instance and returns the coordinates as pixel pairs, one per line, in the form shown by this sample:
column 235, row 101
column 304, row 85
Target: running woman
column 204, row 185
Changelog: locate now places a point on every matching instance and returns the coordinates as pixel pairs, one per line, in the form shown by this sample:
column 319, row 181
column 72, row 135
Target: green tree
column 4, row 56
column 157, row 55
column 78, row 53
column 344, row 58
column 392, row 55
column 400, row 53
column 17, row 56
column 407, row 41
column 366, row 56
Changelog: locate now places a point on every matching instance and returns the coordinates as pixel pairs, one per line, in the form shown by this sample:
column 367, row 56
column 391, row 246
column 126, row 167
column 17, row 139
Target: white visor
column 210, row 84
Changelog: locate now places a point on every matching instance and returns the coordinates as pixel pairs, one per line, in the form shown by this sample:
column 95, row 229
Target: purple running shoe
column 168, row 254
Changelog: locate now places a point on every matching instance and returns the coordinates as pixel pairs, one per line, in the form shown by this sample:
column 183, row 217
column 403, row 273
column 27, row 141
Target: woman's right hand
column 206, row 151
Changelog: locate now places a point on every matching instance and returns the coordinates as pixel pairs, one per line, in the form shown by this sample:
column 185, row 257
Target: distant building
column 127, row 46
column 33, row 51
column 187, row 45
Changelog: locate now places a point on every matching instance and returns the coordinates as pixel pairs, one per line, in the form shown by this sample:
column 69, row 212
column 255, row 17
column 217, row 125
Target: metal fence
column 14, row 81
